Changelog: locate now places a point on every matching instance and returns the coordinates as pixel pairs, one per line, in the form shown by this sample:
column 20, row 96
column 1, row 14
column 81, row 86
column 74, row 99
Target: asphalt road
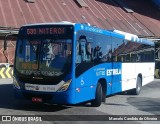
column 147, row 103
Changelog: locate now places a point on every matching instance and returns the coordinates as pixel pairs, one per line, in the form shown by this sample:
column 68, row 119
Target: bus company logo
column 110, row 72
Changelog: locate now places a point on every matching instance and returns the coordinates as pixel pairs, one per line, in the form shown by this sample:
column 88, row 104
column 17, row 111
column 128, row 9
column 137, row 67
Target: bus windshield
column 44, row 57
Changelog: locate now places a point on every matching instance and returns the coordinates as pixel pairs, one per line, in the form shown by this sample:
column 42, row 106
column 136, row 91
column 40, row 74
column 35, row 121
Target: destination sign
column 46, row 31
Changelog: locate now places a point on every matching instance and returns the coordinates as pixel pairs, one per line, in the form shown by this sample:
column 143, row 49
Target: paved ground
column 147, row 103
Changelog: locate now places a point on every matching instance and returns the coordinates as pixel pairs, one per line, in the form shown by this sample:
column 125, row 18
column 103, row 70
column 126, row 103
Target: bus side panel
column 85, row 86
column 147, row 71
column 67, row 97
column 128, row 76
column 86, row 83
column 130, row 71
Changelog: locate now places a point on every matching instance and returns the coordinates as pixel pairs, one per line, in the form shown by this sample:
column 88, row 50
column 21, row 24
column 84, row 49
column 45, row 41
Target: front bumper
column 67, row 97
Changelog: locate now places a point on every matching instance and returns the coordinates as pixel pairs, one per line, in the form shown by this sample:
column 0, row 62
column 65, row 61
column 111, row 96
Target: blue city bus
column 70, row 63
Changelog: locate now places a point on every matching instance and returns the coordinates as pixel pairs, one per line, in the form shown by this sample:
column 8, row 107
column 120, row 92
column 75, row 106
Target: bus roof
column 134, row 38
column 116, row 33
column 88, row 27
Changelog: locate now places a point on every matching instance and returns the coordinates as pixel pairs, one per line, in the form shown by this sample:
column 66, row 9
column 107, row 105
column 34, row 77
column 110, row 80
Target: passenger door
column 118, row 47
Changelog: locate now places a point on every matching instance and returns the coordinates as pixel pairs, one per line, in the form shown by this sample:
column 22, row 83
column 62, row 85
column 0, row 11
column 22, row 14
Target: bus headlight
column 65, row 86
column 15, row 83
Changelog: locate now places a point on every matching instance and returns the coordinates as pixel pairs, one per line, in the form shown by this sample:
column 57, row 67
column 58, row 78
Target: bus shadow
column 8, row 101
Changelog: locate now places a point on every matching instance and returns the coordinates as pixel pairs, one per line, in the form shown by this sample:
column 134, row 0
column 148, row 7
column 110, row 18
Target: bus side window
column 80, row 48
column 83, row 50
column 118, row 48
column 88, row 49
column 78, row 52
column 97, row 55
column 102, row 50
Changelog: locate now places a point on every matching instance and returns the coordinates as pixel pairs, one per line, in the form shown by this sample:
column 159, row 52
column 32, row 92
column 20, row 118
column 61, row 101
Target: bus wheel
column 98, row 96
column 138, row 88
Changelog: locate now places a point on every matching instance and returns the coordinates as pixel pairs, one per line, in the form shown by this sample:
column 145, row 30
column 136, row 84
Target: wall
column 9, row 53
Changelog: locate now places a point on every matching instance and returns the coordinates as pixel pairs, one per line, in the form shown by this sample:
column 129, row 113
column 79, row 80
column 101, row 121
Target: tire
column 138, row 88
column 98, row 96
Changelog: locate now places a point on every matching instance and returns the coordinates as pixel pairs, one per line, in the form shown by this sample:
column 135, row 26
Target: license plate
column 36, row 99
